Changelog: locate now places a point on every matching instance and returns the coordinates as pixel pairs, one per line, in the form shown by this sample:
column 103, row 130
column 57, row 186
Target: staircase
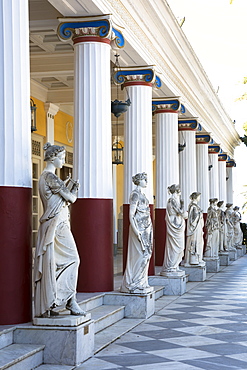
column 109, row 323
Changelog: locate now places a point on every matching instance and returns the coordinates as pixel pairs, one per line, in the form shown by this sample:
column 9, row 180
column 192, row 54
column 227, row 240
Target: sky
column 217, row 31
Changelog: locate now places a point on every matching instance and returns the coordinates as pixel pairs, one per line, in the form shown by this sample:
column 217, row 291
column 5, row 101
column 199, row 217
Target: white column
column 187, row 165
column 202, row 173
column 213, row 173
column 138, row 139
column 229, row 181
column 51, row 110
column 222, row 176
column 167, row 167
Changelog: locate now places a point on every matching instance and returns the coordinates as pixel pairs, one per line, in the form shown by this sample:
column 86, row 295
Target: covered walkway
column 206, row 328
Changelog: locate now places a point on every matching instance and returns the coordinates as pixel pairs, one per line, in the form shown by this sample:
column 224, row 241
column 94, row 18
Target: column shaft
column 15, row 164
column 229, row 185
column 213, row 176
column 202, row 174
column 222, row 180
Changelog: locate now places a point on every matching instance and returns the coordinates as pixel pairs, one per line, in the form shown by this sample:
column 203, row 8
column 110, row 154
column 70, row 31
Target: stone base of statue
column 239, row 251
column 244, row 249
column 212, row 264
column 137, row 305
column 173, row 283
column 224, row 258
column 233, row 254
column 55, row 332
column 195, row 272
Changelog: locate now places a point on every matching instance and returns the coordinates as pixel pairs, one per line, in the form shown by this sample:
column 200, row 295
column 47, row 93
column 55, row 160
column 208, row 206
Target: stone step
column 158, row 291
column 21, row 356
column 113, row 332
column 91, row 302
column 106, row 315
column 6, row 337
column 54, row 367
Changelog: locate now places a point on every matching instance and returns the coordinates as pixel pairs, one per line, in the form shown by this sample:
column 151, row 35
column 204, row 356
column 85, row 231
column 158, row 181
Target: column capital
column 189, row 124
column 222, row 157
column 204, row 138
column 140, row 75
column 88, row 29
column 51, row 108
column 214, row 149
column 231, row 163
column 167, row 105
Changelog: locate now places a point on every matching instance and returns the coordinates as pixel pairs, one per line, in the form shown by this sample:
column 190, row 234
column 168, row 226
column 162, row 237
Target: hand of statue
column 75, row 187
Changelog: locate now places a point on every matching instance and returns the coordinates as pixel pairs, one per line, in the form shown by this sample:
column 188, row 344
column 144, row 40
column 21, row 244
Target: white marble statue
column 212, row 225
column 194, row 242
column 56, row 259
column 229, row 227
column 175, row 232
column 238, row 234
column 222, row 227
column 140, row 243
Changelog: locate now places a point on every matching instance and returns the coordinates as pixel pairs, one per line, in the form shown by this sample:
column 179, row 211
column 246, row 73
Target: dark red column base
column 160, row 235
column 204, row 231
column 126, row 223
column 15, row 255
column 91, row 224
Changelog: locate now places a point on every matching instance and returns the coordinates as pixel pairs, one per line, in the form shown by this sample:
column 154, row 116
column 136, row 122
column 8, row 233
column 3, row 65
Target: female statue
column 238, row 234
column 222, row 227
column 140, row 243
column 56, row 260
column 229, row 227
column 194, row 242
column 175, row 226
column 212, row 225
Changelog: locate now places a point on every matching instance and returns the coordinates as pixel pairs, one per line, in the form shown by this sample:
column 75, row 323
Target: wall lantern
column 33, row 115
column 117, row 153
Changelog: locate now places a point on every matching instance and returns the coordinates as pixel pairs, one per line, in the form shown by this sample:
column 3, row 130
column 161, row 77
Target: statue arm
column 57, row 186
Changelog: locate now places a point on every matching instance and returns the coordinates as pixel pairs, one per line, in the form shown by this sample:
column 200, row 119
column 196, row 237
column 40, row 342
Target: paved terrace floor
column 206, row 328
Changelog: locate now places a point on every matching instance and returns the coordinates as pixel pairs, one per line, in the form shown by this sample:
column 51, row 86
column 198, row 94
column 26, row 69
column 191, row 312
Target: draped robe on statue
column 175, row 226
column 56, row 260
column 139, row 252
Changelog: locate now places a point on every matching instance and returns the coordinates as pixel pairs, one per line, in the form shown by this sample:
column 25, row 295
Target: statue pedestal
column 212, row 264
column 173, row 285
column 68, row 340
column 233, row 254
column 244, row 249
column 195, row 272
column 239, row 251
column 224, row 258
column 137, row 306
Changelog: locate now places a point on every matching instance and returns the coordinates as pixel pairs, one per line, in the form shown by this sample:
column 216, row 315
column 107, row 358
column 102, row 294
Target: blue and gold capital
column 189, row 124
column 94, row 26
column 169, row 105
column 143, row 75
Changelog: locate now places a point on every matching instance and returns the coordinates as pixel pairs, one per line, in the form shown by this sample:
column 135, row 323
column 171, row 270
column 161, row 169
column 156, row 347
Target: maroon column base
column 91, row 224
column 204, row 231
column 126, row 223
column 160, row 235
column 15, row 255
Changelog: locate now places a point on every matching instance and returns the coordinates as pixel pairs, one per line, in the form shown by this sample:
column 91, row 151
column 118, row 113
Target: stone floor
column 206, row 328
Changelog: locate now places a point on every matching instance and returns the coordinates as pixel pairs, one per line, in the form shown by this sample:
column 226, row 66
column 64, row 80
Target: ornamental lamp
column 33, row 115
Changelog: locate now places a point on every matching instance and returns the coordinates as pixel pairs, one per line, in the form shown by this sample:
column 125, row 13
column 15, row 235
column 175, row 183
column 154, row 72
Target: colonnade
column 91, row 216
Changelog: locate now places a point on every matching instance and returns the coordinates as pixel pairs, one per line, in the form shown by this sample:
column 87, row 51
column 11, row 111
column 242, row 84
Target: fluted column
column 202, row 172
column 167, row 171
column 222, row 158
column 137, row 137
column 230, row 164
column 15, row 164
column 187, row 157
column 213, row 151
column 92, row 213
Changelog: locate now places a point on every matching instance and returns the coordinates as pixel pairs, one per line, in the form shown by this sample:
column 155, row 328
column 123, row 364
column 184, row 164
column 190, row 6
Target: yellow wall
column 120, row 186
column 40, row 117
column 64, row 127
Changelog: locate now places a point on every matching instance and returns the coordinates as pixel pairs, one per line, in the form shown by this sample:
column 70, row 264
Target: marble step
column 54, row 367
column 113, row 332
column 105, row 316
column 21, row 356
column 6, row 337
column 158, row 291
column 90, row 303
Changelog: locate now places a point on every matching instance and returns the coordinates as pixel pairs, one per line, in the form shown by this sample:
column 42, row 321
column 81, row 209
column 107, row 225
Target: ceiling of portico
column 52, row 61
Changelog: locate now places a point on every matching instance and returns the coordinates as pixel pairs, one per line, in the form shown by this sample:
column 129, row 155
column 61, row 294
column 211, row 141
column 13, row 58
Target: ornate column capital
column 231, row 163
column 189, row 124
column 141, row 75
column 204, row 138
column 167, row 105
column 214, row 149
column 88, row 29
column 222, row 157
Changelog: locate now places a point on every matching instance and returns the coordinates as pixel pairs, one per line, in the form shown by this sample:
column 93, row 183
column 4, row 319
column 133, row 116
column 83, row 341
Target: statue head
column 220, row 203
column 236, row 208
column 51, row 151
column 194, row 195
column 138, row 177
column 172, row 188
column 229, row 205
column 213, row 201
